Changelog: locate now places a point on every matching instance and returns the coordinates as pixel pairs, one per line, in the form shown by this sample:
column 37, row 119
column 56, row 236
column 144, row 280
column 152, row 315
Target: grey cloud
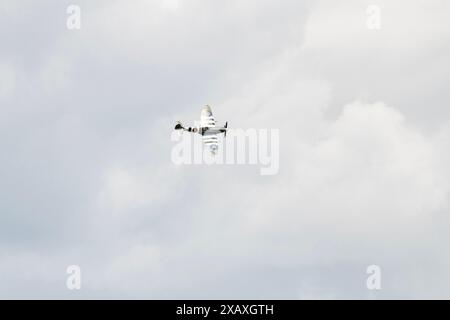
column 87, row 177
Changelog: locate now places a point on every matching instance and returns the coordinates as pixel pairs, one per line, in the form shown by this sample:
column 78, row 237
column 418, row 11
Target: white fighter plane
column 207, row 129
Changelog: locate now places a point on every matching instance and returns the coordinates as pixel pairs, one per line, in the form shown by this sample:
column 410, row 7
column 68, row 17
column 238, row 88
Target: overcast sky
column 86, row 176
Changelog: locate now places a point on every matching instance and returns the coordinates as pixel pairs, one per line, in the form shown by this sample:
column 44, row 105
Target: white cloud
column 170, row 4
column 365, row 184
column 7, row 80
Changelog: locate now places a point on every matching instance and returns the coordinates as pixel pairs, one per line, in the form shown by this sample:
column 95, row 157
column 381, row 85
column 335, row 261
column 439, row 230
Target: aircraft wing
column 211, row 141
column 207, row 118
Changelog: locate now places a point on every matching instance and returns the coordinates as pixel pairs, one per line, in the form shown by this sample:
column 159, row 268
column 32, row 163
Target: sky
column 87, row 179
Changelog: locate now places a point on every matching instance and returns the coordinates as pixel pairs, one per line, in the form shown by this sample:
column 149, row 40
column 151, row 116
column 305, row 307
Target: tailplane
column 179, row 126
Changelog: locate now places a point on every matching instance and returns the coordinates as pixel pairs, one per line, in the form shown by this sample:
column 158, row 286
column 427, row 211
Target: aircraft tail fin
column 179, row 126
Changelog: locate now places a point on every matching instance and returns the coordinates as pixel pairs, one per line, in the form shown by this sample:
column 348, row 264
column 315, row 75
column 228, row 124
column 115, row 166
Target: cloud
column 407, row 50
column 7, row 80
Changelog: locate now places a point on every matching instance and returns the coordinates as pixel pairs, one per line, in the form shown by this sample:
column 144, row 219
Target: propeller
column 225, row 126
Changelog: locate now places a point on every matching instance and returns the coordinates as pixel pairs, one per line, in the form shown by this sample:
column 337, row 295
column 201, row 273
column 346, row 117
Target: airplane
column 207, row 129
